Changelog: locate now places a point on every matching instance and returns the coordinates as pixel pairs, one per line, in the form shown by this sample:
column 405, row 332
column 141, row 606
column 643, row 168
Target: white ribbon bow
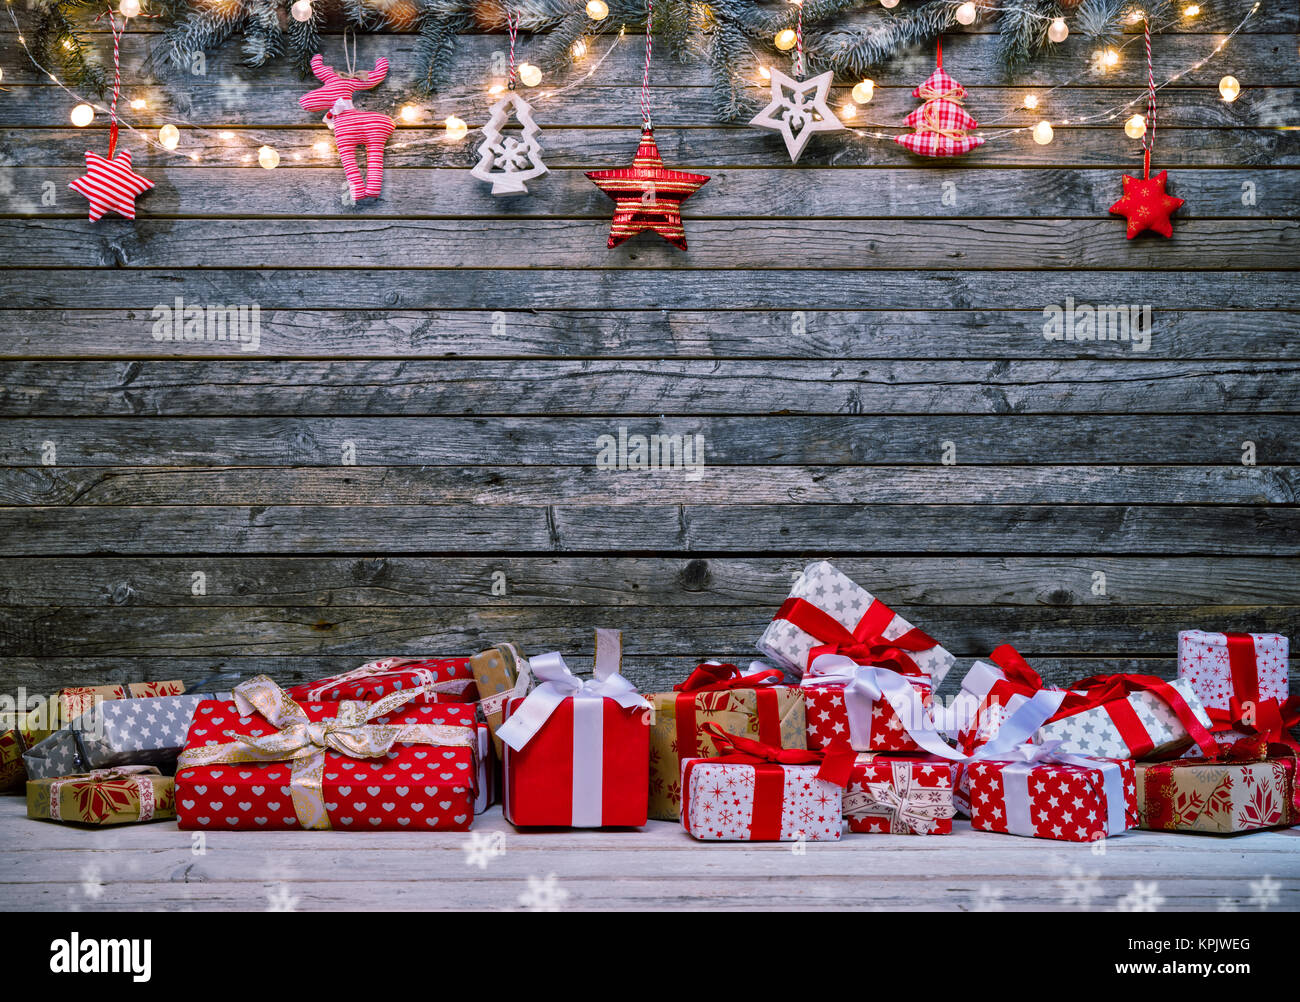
column 863, row 686
column 557, row 683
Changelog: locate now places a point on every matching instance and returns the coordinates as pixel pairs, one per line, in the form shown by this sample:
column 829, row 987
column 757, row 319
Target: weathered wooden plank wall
column 832, row 328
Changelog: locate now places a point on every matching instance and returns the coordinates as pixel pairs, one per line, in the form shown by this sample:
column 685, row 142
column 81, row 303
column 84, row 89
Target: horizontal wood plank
column 455, row 387
column 767, row 440
column 1183, row 335
column 695, row 528
column 1072, row 244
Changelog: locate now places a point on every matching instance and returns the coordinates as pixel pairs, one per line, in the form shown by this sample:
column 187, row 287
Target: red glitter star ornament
column 1146, row 205
column 647, row 196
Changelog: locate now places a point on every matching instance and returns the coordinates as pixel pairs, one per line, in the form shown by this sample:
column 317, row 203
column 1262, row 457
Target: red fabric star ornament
column 647, row 195
column 1146, row 206
column 111, row 185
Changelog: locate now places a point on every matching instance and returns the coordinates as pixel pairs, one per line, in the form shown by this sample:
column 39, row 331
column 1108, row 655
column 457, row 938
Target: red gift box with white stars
column 900, row 795
column 415, row 787
column 1231, row 671
column 1056, row 800
column 769, row 802
column 828, row 719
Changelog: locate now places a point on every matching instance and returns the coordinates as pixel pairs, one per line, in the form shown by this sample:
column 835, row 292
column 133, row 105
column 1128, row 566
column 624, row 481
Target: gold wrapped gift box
column 104, row 797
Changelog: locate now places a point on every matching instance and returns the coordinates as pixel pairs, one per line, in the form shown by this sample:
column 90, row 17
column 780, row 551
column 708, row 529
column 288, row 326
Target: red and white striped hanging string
column 1149, row 136
column 645, row 77
column 798, row 41
column 117, row 77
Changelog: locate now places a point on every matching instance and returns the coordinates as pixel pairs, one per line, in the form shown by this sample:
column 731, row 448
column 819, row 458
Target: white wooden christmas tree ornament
column 798, row 110
column 506, row 161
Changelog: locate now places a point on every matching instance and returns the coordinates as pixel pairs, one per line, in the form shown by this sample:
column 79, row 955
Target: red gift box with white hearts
column 577, row 750
column 828, row 720
column 444, row 680
column 1242, row 680
column 900, row 795
column 413, row 785
column 1071, row 798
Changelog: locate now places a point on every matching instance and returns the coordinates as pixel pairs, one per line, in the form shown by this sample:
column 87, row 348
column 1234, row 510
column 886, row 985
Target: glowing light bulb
column 410, row 113
column 1191, row 10
column 1111, row 58
column 496, row 89
column 456, row 128
column 864, row 91
column 965, row 13
column 268, row 158
column 169, row 136
column 849, row 110
column 1135, row 127
column 138, row 104
column 129, row 8
column 82, row 115
column 1043, row 133
column 579, row 49
column 785, row 39
column 1229, row 88
column 889, row 4
column 764, row 73
column 1031, row 101
column 301, row 10
column 529, row 75
column 1058, row 31
column 597, row 10
column 321, row 148
column 225, row 135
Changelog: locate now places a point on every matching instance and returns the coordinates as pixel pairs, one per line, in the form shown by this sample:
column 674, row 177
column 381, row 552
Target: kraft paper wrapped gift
column 261, row 761
column 752, row 706
column 147, row 731
column 442, row 680
column 1129, row 716
column 501, row 673
column 754, row 792
column 900, row 795
column 1050, row 795
column 133, row 793
column 1242, row 680
column 828, row 613
column 577, row 751
column 1220, row 798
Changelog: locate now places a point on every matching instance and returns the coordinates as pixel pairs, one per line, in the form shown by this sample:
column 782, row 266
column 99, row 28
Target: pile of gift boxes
column 839, row 728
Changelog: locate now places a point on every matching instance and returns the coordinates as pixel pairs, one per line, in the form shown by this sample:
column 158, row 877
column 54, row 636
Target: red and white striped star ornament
column 109, row 184
column 647, row 196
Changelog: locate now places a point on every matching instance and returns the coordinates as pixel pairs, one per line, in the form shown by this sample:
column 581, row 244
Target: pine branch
column 304, row 40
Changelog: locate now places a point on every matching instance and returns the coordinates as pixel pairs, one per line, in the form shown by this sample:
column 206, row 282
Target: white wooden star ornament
column 507, row 161
column 798, row 110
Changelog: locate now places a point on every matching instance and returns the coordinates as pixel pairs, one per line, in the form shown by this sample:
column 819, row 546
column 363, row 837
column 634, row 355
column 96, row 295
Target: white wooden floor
column 48, row 866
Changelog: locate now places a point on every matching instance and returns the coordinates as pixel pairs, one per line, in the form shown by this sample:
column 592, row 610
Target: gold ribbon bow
column 303, row 742
column 906, row 807
column 930, row 116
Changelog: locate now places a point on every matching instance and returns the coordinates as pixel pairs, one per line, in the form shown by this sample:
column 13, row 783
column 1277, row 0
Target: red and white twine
column 645, row 77
column 1149, row 136
column 512, row 23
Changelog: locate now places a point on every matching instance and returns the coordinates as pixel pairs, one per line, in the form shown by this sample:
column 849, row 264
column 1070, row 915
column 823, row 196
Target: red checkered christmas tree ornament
column 941, row 124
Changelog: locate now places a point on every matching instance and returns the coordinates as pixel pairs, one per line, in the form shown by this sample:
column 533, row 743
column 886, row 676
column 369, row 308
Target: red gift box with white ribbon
column 443, row 680
column 577, row 751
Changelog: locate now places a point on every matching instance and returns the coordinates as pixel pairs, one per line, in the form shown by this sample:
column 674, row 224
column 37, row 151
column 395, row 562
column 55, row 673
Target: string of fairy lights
column 168, row 136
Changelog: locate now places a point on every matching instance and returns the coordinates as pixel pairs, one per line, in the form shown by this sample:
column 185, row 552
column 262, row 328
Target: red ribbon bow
column 1267, row 721
column 836, row 759
column 1112, row 692
column 1020, row 676
column 866, row 644
column 721, row 677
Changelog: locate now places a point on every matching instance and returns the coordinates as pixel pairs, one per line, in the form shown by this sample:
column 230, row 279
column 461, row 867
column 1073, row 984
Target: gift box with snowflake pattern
column 734, row 802
column 1234, row 670
column 1217, row 797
